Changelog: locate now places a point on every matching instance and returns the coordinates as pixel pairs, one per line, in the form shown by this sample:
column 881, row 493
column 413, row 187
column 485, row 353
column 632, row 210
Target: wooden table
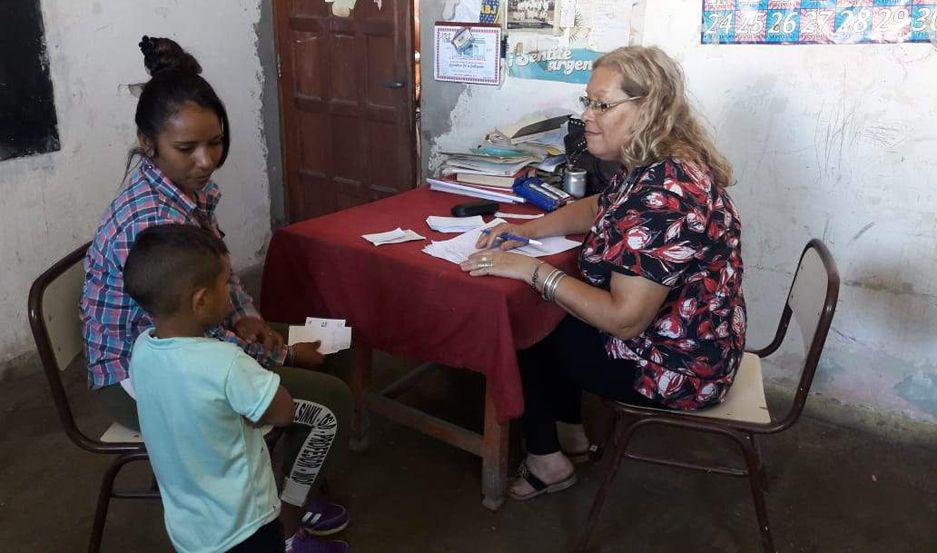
column 400, row 300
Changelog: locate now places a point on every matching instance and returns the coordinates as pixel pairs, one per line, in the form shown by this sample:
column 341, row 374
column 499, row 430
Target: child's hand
column 306, row 355
column 253, row 329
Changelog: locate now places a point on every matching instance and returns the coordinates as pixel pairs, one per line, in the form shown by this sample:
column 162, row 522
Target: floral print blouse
column 668, row 223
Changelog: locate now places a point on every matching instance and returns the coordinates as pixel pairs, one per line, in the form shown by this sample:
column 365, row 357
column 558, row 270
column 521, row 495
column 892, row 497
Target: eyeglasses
column 602, row 107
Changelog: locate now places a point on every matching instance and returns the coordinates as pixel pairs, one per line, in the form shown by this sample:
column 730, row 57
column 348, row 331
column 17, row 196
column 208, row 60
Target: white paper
column 395, row 236
column 332, row 334
column 313, row 321
column 507, row 215
column 454, row 224
column 461, row 247
column 609, row 23
column 567, row 15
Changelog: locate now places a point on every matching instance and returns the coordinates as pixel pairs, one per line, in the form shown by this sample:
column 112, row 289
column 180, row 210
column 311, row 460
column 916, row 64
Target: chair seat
column 745, row 401
column 120, row 433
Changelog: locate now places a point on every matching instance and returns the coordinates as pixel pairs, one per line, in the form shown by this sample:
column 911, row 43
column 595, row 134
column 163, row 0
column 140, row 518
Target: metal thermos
column 575, row 182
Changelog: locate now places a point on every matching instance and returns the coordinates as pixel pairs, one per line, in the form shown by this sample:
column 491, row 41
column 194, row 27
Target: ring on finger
column 485, row 264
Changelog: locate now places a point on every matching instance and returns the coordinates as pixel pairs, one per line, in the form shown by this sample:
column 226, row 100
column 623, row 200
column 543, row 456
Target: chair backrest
column 811, row 303
column 56, row 326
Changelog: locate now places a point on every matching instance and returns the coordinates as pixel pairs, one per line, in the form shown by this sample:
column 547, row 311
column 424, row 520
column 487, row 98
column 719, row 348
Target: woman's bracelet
column 289, row 356
column 551, row 293
column 549, row 283
column 535, row 276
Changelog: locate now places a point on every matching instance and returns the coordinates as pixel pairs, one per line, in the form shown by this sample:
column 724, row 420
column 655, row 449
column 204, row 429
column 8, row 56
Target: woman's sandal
column 582, row 456
column 540, row 487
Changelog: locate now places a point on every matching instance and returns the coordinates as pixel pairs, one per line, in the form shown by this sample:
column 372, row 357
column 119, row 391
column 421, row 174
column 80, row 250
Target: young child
column 201, row 401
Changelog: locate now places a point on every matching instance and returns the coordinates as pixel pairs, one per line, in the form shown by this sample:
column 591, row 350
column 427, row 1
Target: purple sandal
column 323, row 518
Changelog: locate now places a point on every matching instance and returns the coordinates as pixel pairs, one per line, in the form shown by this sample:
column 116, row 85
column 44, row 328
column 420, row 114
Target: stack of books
column 508, row 152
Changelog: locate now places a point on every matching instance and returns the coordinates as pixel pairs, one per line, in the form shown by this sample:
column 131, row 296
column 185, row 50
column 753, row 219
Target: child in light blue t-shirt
column 201, row 402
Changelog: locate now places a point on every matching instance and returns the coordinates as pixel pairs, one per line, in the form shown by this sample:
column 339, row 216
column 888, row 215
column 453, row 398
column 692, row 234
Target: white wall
column 52, row 202
column 835, row 142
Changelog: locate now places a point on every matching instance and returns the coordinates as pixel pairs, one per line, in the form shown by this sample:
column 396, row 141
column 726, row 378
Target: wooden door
column 346, row 103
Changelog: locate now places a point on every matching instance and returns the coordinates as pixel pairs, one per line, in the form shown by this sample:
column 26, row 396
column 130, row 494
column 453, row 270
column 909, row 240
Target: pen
column 505, row 236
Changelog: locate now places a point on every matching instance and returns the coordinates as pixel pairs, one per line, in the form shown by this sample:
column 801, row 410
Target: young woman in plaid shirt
column 184, row 134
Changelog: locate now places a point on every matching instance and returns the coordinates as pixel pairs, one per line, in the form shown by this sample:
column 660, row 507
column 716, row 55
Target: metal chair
column 53, row 316
column 811, row 302
column 56, row 326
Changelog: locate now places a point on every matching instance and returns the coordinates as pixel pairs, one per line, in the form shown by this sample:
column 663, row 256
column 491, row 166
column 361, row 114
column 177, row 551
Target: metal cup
column 574, row 183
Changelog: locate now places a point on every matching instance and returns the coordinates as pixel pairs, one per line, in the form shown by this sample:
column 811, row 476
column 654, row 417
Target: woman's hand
column 491, row 239
column 498, row 263
column 306, row 355
column 254, row 329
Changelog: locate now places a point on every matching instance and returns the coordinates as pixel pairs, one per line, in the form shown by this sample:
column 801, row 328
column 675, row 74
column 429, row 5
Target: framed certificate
column 467, row 52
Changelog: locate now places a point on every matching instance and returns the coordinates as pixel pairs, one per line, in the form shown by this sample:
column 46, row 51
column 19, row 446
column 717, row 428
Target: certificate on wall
column 467, row 53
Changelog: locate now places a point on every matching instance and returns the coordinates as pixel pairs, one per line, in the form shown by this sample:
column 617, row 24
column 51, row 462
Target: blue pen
column 505, row 236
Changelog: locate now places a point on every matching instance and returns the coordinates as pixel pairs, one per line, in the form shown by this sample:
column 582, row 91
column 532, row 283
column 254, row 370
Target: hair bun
column 163, row 54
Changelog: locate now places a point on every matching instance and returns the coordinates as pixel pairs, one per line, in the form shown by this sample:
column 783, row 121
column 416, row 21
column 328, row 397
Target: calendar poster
column 818, row 21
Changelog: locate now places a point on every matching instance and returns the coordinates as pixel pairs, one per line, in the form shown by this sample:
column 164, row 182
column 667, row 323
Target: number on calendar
column 783, row 23
column 926, row 20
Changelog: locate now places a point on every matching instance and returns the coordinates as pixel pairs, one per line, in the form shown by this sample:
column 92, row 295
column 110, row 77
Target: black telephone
column 470, row 209
column 598, row 172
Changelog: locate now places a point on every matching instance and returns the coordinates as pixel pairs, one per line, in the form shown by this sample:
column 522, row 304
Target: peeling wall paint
column 52, row 202
column 835, row 142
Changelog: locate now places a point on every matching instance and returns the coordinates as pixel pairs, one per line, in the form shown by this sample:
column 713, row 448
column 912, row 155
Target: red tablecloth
column 403, row 301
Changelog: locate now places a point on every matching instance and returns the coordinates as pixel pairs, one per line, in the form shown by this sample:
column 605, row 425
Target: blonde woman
column 657, row 315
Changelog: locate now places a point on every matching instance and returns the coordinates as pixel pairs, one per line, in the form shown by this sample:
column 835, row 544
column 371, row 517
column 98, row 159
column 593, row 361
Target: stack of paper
column 489, row 165
column 392, row 237
column 454, row 224
column 332, row 334
column 461, row 247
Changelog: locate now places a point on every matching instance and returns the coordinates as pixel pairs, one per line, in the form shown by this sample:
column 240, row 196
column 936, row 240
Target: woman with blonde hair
column 656, row 315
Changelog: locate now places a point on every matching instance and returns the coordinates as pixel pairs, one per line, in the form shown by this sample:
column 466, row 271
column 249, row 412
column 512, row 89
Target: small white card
column 332, row 334
column 392, row 237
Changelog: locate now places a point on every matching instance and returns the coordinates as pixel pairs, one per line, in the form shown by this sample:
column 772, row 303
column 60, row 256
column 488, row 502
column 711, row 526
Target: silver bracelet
column 551, row 295
column 547, row 282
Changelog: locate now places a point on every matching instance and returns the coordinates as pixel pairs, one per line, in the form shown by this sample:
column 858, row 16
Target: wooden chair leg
column 623, row 430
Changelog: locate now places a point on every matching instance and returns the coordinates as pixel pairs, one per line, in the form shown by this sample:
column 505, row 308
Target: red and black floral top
column 669, row 224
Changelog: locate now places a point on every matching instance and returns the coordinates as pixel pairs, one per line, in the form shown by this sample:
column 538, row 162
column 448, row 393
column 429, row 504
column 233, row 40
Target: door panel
column 346, row 102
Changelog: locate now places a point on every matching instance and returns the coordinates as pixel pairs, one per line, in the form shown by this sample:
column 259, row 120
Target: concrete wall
column 52, row 202
column 835, row 142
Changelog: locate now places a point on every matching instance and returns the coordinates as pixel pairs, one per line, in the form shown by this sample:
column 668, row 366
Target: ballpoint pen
column 505, row 236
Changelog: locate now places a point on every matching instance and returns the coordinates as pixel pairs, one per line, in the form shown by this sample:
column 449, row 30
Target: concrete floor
column 832, row 488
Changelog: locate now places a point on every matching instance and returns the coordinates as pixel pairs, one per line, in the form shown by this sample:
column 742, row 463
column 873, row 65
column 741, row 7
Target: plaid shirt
column 111, row 319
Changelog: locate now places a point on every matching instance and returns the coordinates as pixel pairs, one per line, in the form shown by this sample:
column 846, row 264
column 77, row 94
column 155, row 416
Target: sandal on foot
column 540, row 487
column 582, row 456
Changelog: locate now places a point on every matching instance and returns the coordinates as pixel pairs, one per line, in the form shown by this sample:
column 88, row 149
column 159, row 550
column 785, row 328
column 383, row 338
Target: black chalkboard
column 27, row 109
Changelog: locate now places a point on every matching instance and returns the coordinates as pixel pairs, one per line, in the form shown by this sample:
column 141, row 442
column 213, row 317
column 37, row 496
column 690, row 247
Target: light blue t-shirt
column 194, row 396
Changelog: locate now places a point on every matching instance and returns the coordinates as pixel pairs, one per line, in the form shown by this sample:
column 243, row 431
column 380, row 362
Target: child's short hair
column 167, row 262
